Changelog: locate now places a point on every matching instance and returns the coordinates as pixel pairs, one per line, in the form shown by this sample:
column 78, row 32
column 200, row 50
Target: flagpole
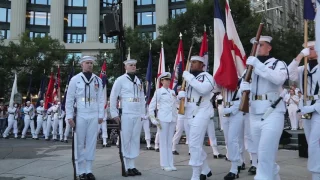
column 305, row 77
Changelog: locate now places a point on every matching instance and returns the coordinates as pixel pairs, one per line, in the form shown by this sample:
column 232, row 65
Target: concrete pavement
column 42, row 160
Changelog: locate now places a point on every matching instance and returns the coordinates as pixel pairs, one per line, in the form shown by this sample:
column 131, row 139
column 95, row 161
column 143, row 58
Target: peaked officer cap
column 165, row 75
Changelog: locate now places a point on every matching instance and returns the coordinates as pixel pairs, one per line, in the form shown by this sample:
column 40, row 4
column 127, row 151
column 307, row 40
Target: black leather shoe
column 203, row 177
column 65, row 141
column 243, row 166
column 157, row 150
column 83, row 177
column 7, row 137
column 250, row 161
column 175, row 153
column 231, row 176
column 219, row 156
column 209, row 174
column 239, row 169
column 61, row 140
column 227, row 159
column 149, row 148
column 130, row 172
column 90, row 176
column 108, row 145
column 252, row 170
column 47, row 139
column 136, row 172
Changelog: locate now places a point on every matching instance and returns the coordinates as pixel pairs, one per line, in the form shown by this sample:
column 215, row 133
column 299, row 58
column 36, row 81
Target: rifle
column 74, row 146
column 123, row 168
column 183, row 86
column 244, row 104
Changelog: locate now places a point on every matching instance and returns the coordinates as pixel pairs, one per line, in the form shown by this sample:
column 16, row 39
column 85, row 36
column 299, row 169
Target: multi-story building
column 77, row 23
column 290, row 15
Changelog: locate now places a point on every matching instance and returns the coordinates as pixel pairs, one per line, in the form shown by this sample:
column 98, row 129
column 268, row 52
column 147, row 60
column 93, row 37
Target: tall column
column 128, row 13
column 18, row 18
column 57, row 19
column 93, row 20
column 162, row 13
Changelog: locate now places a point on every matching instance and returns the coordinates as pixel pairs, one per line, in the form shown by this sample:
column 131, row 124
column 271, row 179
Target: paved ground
column 42, row 160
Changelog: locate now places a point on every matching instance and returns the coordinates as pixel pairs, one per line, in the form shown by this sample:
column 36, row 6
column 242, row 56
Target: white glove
column 283, row 93
column 252, row 61
column 181, row 94
column 244, row 86
column 187, row 76
column 307, row 109
column 153, row 120
column 305, row 52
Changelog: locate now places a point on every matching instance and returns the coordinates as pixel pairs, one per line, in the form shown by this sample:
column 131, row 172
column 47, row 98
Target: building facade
column 77, row 23
column 290, row 15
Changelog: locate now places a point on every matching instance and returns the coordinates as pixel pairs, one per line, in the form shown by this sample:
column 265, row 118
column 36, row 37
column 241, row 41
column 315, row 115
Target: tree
column 29, row 55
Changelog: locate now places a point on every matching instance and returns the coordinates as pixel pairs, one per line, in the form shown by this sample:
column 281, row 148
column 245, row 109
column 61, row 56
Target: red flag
column 103, row 77
column 204, row 50
column 161, row 66
column 225, row 73
column 178, row 67
column 49, row 92
column 56, row 91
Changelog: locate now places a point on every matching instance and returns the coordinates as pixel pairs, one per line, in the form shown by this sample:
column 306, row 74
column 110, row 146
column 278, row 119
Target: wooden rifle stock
column 183, row 86
column 244, row 104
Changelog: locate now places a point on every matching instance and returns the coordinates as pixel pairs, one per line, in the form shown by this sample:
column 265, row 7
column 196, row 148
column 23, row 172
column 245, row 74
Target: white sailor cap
column 87, row 58
column 310, row 43
column 41, row 101
column 165, row 75
column 262, row 38
column 197, row 58
column 28, row 102
column 130, row 61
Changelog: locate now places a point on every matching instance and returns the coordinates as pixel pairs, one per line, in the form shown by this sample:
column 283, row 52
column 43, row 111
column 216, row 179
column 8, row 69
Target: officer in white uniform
column 164, row 99
column 182, row 125
column 58, row 121
column 198, row 110
column 129, row 89
column 40, row 119
column 232, row 128
column 49, row 119
column 12, row 121
column 268, row 76
column 85, row 89
column 311, row 126
column 293, row 102
column 28, row 120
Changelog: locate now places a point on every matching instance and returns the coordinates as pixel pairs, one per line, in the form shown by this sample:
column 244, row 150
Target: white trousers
column 66, row 130
column 40, row 123
column 49, row 127
column 131, row 126
column 182, row 125
column 104, row 130
column 28, row 122
column 266, row 136
column 247, row 140
column 312, row 133
column 156, row 139
column 166, row 135
column 57, row 123
column 146, row 129
column 292, row 111
column 211, row 131
column 220, row 113
column 11, row 124
column 86, row 130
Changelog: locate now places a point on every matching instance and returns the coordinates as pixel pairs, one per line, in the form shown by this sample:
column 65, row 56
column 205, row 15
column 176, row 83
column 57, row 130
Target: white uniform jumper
column 266, row 86
column 198, row 110
column 104, row 127
column 58, row 121
column 312, row 126
column 132, row 100
column 88, row 96
column 165, row 101
column 292, row 111
column 40, row 120
column 12, row 122
column 28, row 121
column 182, row 125
column 49, row 122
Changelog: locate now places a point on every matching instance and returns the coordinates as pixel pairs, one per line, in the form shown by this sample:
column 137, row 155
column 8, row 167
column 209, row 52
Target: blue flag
column 42, row 90
column 309, row 10
column 63, row 104
column 149, row 79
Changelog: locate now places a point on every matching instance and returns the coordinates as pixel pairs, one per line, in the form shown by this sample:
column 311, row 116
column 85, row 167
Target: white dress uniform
column 28, row 121
column 166, row 102
column 58, row 115
column 219, row 100
column 312, row 126
column 182, row 125
column 245, row 139
column 132, row 102
column 49, row 118
column 146, row 129
column 104, row 127
column 232, row 128
column 266, row 87
column 12, row 122
column 211, row 131
column 199, row 115
column 88, row 96
column 292, row 111
column 40, row 120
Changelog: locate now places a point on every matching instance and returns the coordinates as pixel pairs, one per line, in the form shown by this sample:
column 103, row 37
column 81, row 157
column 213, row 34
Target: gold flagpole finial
column 72, row 63
column 150, row 45
column 129, row 49
column 161, row 44
column 205, row 27
column 52, row 69
column 180, row 35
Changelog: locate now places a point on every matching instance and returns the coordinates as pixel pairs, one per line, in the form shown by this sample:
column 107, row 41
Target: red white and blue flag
column 161, row 67
column 178, row 67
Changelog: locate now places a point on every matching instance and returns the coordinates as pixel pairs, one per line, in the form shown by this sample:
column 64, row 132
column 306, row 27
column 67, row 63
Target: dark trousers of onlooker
column 2, row 126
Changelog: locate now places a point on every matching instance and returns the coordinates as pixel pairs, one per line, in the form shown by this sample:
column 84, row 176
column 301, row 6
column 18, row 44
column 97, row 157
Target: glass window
column 104, row 39
column 2, row 34
column 75, row 38
column 44, row 2
column 5, row 15
column 74, row 55
column 37, row 34
column 145, row 2
column 146, row 18
column 39, row 18
column 175, row 12
column 104, row 2
column 79, row 3
column 77, row 20
column 177, row 0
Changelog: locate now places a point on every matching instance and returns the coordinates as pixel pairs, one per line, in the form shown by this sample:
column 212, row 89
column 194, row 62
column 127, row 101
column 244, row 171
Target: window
column 104, row 39
column 74, row 55
column 176, row 0
column 146, row 18
column 38, row 18
column 77, row 20
column 5, row 15
column 175, row 12
column 75, row 38
column 104, row 2
column 152, row 35
column 146, row 2
column 4, row 34
column 79, row 3
column 37, row 34
column 44, row 2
